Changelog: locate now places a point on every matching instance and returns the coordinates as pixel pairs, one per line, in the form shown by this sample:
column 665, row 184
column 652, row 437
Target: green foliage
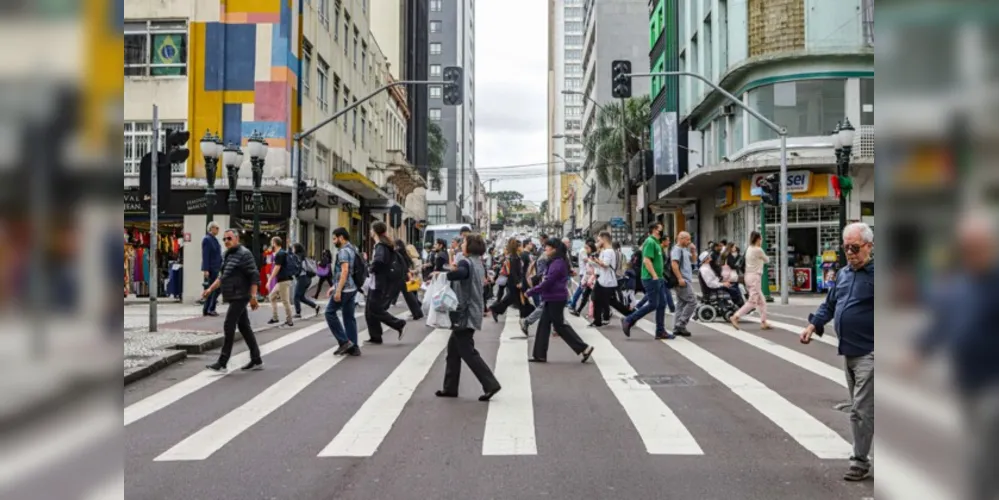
column 604, row 143
column 436, row 149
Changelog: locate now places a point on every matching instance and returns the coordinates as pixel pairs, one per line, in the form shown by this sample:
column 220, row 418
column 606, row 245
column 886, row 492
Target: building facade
column 808, row 72
column 452, row 43
column 565, row 110
column 613, row 30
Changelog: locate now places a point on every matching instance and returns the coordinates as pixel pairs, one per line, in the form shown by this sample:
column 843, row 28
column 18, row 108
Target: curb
column 157, row 365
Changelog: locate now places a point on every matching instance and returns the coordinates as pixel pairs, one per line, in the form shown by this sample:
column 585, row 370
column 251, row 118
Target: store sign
column 134, row 204
column 270, row 203
column 724, row 196
column 798, row 181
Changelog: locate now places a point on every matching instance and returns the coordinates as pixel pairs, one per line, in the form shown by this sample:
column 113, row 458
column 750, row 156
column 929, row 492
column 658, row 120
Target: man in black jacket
column 238, row 280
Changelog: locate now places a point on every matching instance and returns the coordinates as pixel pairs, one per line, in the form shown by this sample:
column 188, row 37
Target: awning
column 358, row 183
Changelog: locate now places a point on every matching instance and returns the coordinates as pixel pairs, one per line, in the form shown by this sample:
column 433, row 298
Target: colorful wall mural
column 243, row 76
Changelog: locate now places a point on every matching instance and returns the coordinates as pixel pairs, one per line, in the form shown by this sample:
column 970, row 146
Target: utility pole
column 154, row 211
column 628, row 216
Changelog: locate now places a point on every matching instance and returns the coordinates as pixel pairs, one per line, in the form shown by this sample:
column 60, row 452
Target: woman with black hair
column 412, row 301
column 376, row 312
column 514, row 279
column 302, row 283
column 554, row 293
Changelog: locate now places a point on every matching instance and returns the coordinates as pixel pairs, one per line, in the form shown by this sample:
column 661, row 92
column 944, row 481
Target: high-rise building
column 451, row 42
column 565, row 111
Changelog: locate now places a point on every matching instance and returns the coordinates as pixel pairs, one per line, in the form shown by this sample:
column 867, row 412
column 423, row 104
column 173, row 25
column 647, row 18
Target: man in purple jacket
column 554, row 294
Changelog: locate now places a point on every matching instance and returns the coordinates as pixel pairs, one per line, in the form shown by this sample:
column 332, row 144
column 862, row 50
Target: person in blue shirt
column 211, row 264
column 850, row 306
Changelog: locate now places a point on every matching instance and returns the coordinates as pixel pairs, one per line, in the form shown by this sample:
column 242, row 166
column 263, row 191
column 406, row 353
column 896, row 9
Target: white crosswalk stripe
column 510, row 418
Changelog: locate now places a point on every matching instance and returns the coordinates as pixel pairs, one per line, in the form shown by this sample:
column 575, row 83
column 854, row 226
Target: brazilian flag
column 169, row 49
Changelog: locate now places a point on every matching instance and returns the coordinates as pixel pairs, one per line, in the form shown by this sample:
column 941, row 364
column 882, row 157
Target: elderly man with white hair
column 850, row 305
column 211, row 264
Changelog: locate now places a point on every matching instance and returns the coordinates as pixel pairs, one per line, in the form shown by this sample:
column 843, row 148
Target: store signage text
column 798, row 181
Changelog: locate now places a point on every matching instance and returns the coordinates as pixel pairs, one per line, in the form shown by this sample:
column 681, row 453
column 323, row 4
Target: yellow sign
column 725, row 196
column 819, row 189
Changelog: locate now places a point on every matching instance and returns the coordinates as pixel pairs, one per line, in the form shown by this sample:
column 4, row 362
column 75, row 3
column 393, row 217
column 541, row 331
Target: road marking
column 660, row 429
column 211, row 438
column 808, row 431
column 510, row 418
column 156, row 402
column 901, row 480
column 796, row 330
column 365, row 431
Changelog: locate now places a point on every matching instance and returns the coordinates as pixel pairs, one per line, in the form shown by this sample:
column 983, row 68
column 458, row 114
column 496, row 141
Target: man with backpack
column 286, row 269
column 348, row 267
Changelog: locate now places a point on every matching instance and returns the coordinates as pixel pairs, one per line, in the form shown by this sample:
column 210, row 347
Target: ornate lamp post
column 843, row 184
column 257, row 148
column 211, row 148
column 233, row 159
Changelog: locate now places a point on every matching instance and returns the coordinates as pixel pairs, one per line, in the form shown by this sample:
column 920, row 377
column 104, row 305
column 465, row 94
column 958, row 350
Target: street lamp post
column 843, row 140
column 232, row 157
column 257, row 148
column 211, row 149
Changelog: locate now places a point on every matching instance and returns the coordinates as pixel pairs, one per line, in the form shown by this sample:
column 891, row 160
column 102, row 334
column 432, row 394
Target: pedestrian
column 540, row 267
column 514, row 282
column 605, row 287
column 466, row 281
column 302, row 282
column 850, row 306
column 238, row 280
column 587, row 278
column 211, row 264
column 324, row 271
column 683, row 271
column 755, row 259
column 652, row 274
column 963, row 326
column 554, row 293
column 343, row 294
column 580, row 272
column 412, row 301
column 715, row 282
column 388, row 271
column 282, row 274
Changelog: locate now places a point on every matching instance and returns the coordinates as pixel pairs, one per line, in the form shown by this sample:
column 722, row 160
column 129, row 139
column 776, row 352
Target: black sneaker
column 859, row 471
column 683, row 332
column 298, row 316
column 523, row 328
column 626, row 326
column 574, row 312
column 217, row 368
column 344, row 348
column 401, row 333
column 587, row 353
column 665, row 336
column 355, row 351
column 376, row 342
column 273, row 321
column 253, row 366
column 318, row 310
column 289, row 322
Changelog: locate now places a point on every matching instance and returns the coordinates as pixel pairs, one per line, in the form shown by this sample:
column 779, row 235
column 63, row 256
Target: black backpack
column 358, row 268
column 292, row 267
column 399, row 271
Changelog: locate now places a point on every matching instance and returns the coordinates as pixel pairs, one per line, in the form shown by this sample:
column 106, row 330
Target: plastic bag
column 435, row 299
column 443, row 298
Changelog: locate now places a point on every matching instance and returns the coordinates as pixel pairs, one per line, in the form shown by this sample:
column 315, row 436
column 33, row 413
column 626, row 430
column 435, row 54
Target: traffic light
column 454, row 86
column 175, row 153
column 771, row 189
column 306, row 196
column 175, row 140
column 621, row 79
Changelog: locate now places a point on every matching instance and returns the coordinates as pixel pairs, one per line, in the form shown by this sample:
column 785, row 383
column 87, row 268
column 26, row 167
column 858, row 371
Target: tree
column 436, row 149
column 604, row 142
column 543, row 209
column 510, row 198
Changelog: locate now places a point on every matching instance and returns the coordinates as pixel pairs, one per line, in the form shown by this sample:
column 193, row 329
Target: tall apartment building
column 612, row 30
column 565, row 112
column 452, row 43
column 804, row 65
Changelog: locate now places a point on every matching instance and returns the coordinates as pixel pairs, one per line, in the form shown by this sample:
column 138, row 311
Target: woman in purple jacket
column 554, row 294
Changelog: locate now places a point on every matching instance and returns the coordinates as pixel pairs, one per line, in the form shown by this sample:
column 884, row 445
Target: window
column 807, row 108
column 306, row 67
column 364, row 126
column 573, row 12
column 435, row 49
column 324, row 13
column 435, row 5
column 364, row 60
column 139, row 137
column 322, row 162
column 867, row 101
column 435, row 114
column 435, row 70
column 574, row 40
column 357, row 34
column 323, row 80
column 346, row 32
column 437, row 214
column 574, row 27
column 573, row 55
column 435, row 26
column 155, row 48
column 574, row 69
column 435, row 91
column 336, row 20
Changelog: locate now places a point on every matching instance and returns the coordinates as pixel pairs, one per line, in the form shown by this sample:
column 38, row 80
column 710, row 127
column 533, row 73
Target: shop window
column 807, row 108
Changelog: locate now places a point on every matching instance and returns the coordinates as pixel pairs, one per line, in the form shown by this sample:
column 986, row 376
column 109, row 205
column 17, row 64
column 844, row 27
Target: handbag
column 413, row 286
column 322, row 271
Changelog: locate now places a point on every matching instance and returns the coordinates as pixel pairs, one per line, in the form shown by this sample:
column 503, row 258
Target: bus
column 445, row 232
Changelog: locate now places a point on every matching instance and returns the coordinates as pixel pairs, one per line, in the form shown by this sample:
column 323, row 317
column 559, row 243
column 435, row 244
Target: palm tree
column 603, row 144
column 436, row 149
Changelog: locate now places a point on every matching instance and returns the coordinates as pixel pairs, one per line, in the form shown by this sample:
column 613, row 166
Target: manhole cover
column 665, row 380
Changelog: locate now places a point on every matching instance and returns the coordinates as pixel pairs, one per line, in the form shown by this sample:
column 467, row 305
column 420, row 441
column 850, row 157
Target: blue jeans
column 302, row 285
column 212, row 301
column 575, row 297
column 346, row 331
column 654, row 292
column 667, row 296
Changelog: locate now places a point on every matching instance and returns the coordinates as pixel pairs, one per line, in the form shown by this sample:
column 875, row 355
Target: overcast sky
column 511, row 96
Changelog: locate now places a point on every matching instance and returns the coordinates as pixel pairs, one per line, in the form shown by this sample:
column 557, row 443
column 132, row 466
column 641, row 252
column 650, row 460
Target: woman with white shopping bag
column 467, row 279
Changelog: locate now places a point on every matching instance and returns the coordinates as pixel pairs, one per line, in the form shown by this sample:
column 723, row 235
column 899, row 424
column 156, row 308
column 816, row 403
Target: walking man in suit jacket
column 211, row 264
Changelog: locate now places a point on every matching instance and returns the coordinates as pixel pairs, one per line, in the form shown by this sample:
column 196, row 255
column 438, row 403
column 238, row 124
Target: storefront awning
column 364, row 187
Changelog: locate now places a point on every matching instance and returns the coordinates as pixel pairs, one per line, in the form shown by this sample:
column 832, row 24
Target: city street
column 726, row 414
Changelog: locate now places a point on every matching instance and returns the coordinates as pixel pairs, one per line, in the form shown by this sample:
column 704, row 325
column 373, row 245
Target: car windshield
column 447, row 235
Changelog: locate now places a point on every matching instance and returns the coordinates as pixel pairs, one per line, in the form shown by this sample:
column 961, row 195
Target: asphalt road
column 724, row 415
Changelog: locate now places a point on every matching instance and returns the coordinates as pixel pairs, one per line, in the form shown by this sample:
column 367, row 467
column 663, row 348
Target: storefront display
column 137, row 267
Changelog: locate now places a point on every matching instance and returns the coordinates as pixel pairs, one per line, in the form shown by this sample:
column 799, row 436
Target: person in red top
column 265, row 272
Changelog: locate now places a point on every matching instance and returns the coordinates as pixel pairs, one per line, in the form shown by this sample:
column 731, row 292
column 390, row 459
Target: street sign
column 617, row 222
column 798, row 181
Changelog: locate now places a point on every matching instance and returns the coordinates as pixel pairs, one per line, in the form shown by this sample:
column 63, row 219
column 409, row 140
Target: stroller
column 714, row 304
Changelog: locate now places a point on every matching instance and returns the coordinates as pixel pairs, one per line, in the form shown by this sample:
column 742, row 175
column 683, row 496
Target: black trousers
column 603, row 299
column 412, row 302
column 553, row 317
column 376, row 313
column 583, row 299
column 238, row 317
column 324, row 279
column 461, row 347
column 510, row 299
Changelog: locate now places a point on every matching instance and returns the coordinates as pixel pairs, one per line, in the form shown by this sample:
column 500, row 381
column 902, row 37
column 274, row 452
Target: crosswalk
column 664, row 421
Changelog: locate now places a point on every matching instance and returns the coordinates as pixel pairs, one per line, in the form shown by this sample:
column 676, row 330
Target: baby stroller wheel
column 706, row 314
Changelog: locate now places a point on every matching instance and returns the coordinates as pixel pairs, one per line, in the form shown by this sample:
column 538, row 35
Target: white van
column 445, row 232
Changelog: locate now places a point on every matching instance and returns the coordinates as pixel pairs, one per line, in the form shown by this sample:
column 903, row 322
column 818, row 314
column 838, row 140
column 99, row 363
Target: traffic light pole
column 154, row 211
column 296, row 151
column 629, row 217
column 782, row 132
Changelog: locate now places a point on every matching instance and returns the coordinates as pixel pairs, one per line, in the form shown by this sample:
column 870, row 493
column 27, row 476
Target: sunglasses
column 227, row 238
column 853, row 248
